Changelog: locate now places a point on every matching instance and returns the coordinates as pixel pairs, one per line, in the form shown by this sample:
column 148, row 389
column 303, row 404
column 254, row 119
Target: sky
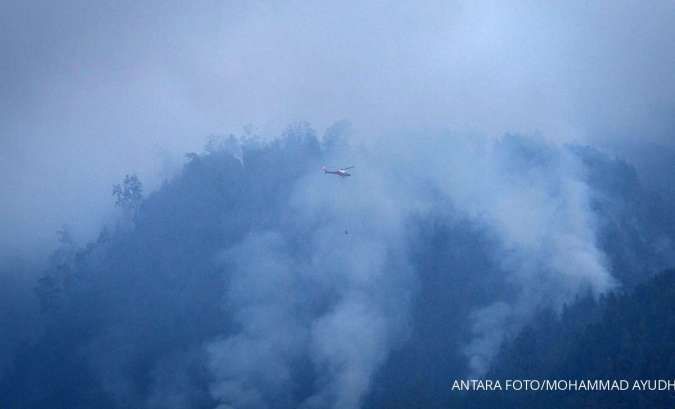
column 90, row 91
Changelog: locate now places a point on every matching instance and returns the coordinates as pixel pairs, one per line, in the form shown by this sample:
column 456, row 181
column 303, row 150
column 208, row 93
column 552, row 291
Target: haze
column 92, row 91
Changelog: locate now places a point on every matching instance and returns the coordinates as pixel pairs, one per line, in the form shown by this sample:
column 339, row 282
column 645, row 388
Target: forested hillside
column 251, row 279
column 621, row 336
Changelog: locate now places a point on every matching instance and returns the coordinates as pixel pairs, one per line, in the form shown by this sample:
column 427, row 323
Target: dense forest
column 625, row 336
column 250, row 279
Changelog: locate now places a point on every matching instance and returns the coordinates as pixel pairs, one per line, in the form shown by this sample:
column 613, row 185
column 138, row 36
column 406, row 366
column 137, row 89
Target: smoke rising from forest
column 486, row 189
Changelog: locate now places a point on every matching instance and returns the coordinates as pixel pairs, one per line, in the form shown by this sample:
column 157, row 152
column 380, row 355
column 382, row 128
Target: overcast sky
column 90, row 91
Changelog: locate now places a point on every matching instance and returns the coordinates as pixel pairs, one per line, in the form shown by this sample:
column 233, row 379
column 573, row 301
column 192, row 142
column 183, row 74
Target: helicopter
column 342, row 172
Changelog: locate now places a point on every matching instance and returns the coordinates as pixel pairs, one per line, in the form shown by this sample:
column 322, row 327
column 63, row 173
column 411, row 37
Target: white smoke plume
column 345, row 302
column 93, row 92
column 533, row 196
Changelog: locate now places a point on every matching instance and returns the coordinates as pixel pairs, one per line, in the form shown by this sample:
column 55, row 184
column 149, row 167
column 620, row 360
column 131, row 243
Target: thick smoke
column 534, row 197
column 254, row 280
column 319, row 295
column 333, row 286
column 343, row 297
column 539, row 205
